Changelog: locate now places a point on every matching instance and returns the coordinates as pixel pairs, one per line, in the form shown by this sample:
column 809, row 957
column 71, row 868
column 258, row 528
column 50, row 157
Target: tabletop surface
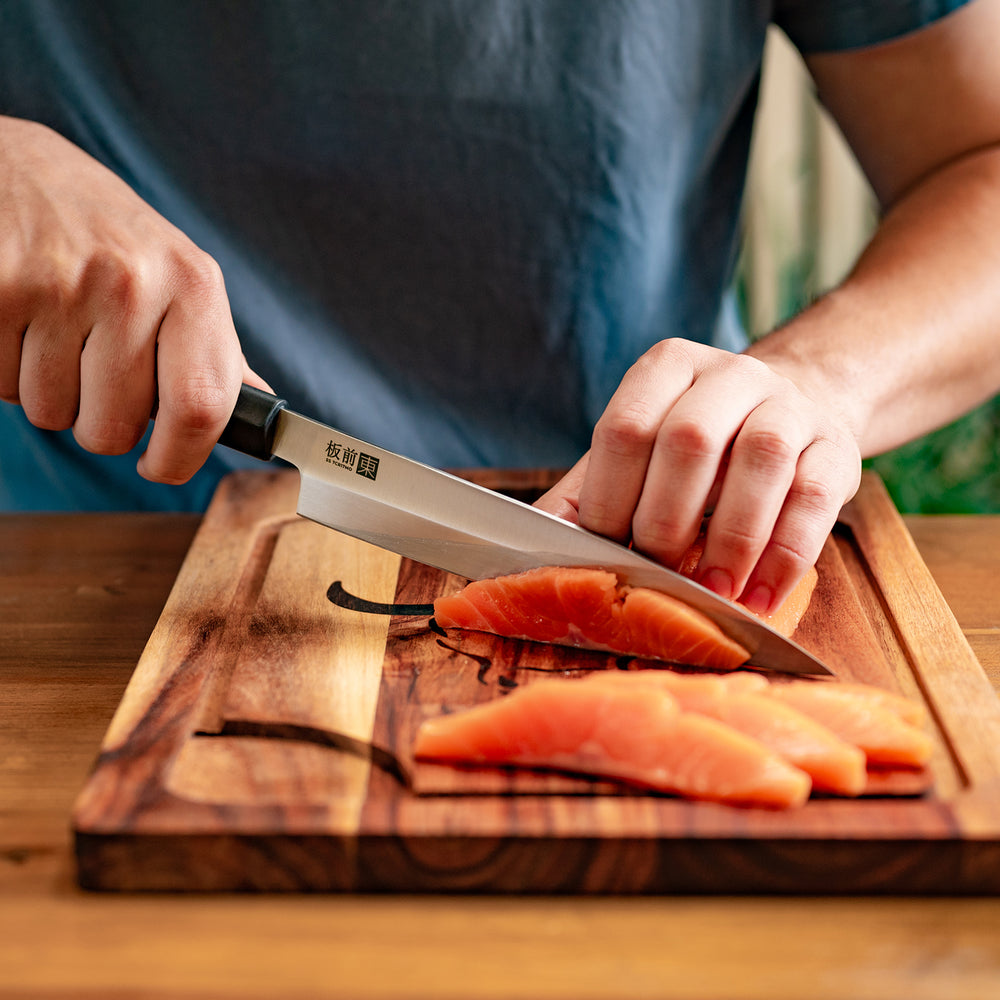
column 79, row 595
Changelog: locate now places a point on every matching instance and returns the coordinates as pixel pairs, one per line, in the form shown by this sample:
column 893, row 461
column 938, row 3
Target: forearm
column 911, row 339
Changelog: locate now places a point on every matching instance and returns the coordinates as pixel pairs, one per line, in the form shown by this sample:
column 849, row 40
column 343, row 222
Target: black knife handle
column 253, row 423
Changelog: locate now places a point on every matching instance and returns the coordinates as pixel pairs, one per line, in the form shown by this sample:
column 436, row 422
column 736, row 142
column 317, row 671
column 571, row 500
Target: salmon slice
column 588, row 608
column 745, row 681
column 906, row 708
column 637, row 735
column 833, row 764
column 871, row 719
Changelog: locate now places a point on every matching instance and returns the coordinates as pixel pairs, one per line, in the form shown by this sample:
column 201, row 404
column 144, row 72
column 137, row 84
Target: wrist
column 837, row 379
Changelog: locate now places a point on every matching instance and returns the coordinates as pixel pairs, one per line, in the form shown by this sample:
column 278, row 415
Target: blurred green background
column 808, row 212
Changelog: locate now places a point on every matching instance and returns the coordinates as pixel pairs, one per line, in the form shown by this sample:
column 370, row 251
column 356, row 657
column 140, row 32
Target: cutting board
column 263, row 742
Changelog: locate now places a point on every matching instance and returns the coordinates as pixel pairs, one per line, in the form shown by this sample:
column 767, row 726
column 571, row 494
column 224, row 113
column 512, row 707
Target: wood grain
column 265, row 740
column 79, row 596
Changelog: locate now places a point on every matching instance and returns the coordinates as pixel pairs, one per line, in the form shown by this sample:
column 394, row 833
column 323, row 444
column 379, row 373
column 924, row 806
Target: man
column 476, row 233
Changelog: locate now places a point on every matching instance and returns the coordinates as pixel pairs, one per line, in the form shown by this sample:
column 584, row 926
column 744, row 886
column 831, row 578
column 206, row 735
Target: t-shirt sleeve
column 836, row 25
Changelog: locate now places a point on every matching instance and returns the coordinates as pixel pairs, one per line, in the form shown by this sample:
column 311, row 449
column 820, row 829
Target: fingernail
column 759, row 599
column 718, row 581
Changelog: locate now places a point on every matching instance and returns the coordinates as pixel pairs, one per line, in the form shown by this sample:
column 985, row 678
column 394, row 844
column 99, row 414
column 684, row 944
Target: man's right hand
column 107, row 311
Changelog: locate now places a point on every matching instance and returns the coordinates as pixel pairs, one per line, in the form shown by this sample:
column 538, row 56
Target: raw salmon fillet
column 588, row 608
column 885, row 726
column 833, row 764
column 635, row 734
column 908, row 710
column 745, row 681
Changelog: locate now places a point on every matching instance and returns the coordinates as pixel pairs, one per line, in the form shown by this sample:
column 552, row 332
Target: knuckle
column 626, row 429
column 814, row 496
column 752, row 368
column 688, row 440
column 117, row 279
column 792, row 561
column 127, row 286
column 767, row 449
column 107, row 436
column 672, row 351
column 738, row 542
column 602, row 519
column 659, row 536
column 47, row 393
column 790, row 557
column 794, row 547
column 197, row 274
column 674, row 355
column 49, row 414
column 202, row 403
column 605, row 515
column 663, row 546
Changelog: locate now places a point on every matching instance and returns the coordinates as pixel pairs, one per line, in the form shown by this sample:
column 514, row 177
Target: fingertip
column 150, row 472
column 759, row 598
column 174, row 466
column 718, row 580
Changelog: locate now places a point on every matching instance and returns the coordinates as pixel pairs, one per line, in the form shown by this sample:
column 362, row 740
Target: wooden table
column 79, row 595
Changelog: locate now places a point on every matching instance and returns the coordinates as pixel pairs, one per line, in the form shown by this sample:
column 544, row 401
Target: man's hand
column 693, row 430
column 107, row 311
column 772, row 439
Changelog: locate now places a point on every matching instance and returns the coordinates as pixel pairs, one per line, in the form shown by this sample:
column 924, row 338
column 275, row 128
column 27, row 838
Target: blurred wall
column 808, row 209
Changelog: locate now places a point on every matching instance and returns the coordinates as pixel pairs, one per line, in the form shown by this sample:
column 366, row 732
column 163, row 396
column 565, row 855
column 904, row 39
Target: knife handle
column 253, row 423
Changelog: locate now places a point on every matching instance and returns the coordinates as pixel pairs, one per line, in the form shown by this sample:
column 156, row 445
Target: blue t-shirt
column 448, row 228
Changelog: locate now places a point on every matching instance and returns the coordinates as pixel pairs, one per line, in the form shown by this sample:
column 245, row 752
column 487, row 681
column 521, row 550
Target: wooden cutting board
column 263, row 742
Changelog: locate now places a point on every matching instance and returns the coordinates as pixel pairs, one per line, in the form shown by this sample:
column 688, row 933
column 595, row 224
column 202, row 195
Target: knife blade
column 446, row 522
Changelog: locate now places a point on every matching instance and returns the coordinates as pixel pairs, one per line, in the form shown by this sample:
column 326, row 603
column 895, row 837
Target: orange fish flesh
column 634, row 734
column 588, row 608
column 871, row 719
column 833, row 764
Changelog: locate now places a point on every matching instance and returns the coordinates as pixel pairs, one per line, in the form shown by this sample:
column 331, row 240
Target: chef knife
column 442, row 521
